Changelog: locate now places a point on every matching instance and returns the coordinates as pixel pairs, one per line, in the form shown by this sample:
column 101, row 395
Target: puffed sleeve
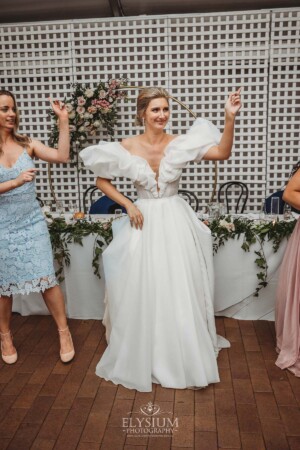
column 109, row 160
column 193, row 145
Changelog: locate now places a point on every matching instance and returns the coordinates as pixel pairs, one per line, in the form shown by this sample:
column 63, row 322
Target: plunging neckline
column 156, row 174
column 16, row 162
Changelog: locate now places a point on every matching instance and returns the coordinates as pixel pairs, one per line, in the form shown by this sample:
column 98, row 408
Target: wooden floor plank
column 47, row 405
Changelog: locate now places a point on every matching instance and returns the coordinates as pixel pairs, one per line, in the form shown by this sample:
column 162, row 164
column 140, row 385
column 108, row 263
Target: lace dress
column 160, row 314
column 26, row 261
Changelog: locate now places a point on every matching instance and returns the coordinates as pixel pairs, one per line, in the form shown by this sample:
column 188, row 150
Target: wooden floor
column 47, row 405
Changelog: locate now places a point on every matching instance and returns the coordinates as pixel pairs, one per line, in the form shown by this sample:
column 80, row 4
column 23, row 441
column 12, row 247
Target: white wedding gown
column 159, row 313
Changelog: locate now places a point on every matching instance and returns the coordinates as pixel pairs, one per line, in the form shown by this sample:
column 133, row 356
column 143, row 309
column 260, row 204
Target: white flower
column 86, row 124
column 228, row 225
column 48, row 219
column 72, row 115
column 81, row 101
column 81, row 129
column 80, row 109
column 89, row 93
column 97, row 124
column 102, row 93
column 86, row 115
column 223, row 223
column 82, row 138
column 72, row 128
column 69, row 107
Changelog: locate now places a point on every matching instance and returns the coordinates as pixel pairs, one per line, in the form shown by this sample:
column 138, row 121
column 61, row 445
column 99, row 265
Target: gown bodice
column 110, row 160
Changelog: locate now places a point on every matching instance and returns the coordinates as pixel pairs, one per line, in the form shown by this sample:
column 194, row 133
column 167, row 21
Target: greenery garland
column 253, row 232
column 62, row 234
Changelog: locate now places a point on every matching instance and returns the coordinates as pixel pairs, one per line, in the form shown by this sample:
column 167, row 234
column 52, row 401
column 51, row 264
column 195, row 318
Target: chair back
column 268, row 202
column 240, row 202
column 41, row 203
column 103, row 205
column 88, row 195
column 190, row 197
column 278, row 194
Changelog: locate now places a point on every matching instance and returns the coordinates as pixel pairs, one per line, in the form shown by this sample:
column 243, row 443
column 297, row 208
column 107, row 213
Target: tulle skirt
column 160, row 315
column 288, row 307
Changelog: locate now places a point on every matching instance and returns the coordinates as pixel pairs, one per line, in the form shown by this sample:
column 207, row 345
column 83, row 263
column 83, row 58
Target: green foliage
column 62, row 234
column 253, row 232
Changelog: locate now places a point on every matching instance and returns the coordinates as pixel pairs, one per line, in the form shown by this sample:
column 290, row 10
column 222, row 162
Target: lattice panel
column 211, row 56
column 284, row 98
column 36, row 62
column 198, row 58
column 136, row 48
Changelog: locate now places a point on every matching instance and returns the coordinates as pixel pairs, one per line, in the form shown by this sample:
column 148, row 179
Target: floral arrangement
column 90, row 109
column 223, row 229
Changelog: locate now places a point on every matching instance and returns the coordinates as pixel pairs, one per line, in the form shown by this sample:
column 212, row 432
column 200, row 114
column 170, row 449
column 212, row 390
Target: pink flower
column 81, row 101
column 113, row 83
column 92, row 109
column 104, row 103
column 106, row 226
column 80, row 110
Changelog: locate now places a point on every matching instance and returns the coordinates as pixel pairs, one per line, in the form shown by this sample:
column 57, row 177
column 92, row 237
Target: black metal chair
column 41, row 203
column 190, row 197
column 89, row 192
column 243, row 197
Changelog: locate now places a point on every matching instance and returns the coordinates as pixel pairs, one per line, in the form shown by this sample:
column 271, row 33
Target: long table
column 235, row 284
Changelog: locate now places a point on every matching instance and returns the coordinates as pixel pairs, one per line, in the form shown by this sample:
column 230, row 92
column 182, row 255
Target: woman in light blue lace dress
column 26, row 261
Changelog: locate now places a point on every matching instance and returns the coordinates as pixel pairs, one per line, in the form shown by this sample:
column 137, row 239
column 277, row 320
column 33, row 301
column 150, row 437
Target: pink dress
column 288, row 307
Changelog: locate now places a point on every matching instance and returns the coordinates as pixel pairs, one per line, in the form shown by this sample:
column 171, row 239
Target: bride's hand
column 135, row 216
column 233, row 104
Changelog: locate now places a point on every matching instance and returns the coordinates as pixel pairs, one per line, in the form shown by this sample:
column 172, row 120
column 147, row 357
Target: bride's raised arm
column 223, row 150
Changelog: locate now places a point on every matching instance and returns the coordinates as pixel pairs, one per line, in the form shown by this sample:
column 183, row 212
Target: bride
column 158, row 269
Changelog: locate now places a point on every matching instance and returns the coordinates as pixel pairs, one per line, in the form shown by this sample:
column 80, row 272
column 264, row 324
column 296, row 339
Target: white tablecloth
column 235, row 284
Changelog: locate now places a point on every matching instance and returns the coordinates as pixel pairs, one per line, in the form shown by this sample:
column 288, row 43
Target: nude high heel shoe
column 66, row 357
column 8, row 359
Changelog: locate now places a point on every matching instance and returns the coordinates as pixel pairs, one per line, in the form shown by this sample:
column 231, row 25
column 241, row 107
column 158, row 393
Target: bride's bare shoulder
column 130, row 143
column 171, row 137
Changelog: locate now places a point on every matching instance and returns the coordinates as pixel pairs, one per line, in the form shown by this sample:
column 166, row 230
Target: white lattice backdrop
column 284, row 98
column 198, row 58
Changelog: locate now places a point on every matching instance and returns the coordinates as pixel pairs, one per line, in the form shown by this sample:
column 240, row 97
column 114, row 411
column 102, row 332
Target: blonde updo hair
column 144, row 98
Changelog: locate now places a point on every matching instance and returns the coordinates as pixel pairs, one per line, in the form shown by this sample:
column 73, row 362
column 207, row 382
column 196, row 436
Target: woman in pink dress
column 288, row 292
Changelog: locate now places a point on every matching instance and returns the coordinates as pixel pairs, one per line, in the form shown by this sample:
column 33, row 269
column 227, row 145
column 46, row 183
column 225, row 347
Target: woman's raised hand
column 135, row 216
column 233, row 104
column 25, row 177
column 59, row 109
